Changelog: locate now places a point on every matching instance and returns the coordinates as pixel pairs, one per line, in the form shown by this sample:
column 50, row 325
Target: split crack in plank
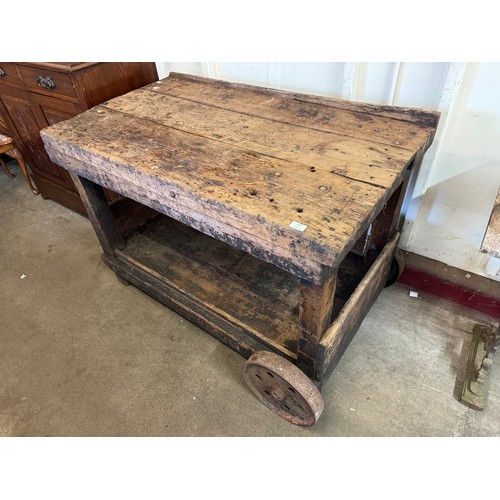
column 414, row 122
column 358, row 159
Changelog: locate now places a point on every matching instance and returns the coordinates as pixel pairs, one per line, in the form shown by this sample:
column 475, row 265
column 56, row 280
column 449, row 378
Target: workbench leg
column 387, row 221
column 96, row 204
column 315, row 311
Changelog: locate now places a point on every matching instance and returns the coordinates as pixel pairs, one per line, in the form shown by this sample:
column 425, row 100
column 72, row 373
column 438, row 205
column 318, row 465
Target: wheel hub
column 283, row 388
column 277, row 393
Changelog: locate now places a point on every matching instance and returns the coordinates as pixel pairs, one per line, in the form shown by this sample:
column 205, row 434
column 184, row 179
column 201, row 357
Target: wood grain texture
column 208, row 275
column 100, row 215
column 26, row 107
column 326, row 151
column 416, row 116
column 315, row 311
column 491, row 240
column 256, row 246
column 246, row 168
column 339, row 335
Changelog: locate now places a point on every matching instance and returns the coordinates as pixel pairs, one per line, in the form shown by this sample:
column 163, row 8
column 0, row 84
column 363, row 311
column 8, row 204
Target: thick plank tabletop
column 296, row 176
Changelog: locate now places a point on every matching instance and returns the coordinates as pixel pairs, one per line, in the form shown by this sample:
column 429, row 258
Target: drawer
column 48, row 82
column 8, row 74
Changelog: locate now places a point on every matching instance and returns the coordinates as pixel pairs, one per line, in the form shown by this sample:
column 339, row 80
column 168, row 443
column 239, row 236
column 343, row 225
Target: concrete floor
column 83, row 355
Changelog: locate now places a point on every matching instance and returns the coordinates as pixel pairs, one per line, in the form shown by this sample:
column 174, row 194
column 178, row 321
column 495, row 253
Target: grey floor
column 83, row 355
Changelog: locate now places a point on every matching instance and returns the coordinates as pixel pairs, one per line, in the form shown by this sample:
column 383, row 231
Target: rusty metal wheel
column 283, row 388
column 397, row 267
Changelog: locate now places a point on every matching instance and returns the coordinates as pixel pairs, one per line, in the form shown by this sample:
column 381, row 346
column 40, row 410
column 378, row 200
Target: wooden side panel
column 102, row 81
column 339, row 335
column 26, row 122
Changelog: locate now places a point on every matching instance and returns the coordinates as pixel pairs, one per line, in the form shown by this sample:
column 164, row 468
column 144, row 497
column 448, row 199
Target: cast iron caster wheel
column 283, row 388
column 397, row 267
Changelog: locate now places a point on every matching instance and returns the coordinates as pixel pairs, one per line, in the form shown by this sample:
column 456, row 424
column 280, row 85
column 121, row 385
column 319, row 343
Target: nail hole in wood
column 313, row 169
column 253, row 192
column 299, row 210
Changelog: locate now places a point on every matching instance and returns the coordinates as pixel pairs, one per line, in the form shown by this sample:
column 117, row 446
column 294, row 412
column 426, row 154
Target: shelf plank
column 220, row 278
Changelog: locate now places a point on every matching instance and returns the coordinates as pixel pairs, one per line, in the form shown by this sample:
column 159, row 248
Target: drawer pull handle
column 46, row 82
column 2, row 73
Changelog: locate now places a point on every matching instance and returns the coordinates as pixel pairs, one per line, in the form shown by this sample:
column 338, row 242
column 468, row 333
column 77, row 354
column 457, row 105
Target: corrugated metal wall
column 451, row 198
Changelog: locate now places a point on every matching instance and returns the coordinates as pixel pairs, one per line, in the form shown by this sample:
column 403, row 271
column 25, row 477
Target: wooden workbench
column 279, row 214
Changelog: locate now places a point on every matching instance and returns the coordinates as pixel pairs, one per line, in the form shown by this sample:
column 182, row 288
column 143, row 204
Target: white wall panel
column 193, row 68
column 377, row 82
column 420, row 85
column 315, row 78
column 464, row 178
column 255, row 73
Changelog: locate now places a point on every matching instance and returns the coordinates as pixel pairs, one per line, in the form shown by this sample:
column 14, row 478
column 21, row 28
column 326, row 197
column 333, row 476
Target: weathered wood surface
column 424, row 119
column 491, row 241
column 254, row 297
column 100, row 215
column 258, row 247
column 130, row 215
column 276, row 283
column 241, row 163
column 339, row 335
column 315, row 312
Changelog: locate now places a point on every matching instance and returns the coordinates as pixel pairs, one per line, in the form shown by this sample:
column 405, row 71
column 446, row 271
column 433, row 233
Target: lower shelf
column 245, row 302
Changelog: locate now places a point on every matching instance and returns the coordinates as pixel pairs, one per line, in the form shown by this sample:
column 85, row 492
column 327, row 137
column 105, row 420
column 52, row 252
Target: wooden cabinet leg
column 315, row 311
column 6, row 168
column 15, row 153
column 96, row 204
